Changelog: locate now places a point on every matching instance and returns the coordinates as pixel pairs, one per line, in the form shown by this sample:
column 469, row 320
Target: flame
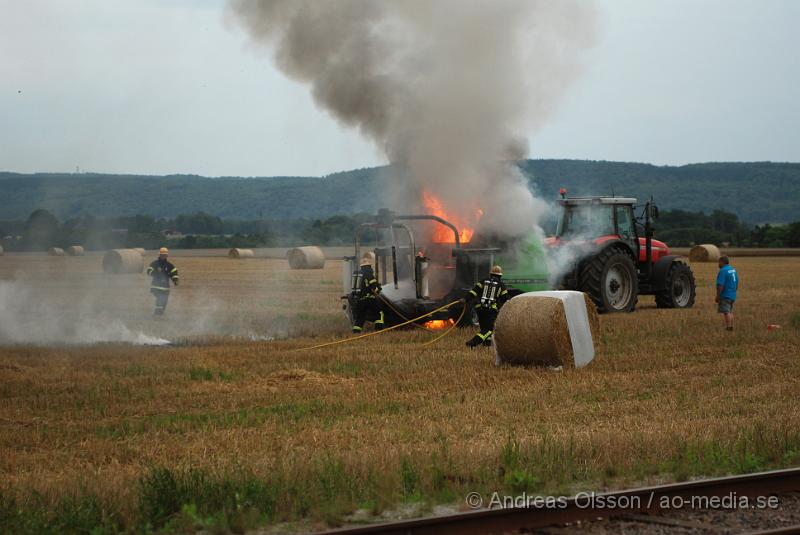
column 437, row 325
column 442, row 234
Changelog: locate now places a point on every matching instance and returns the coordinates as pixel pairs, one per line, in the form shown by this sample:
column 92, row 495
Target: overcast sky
column 165, row 86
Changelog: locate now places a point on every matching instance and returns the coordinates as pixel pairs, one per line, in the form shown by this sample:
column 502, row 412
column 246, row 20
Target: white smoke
column 62, row 310
column 563, row 259
column 449, row 89
column 27, row 316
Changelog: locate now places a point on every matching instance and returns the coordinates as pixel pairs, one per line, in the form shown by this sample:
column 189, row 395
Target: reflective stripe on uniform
column 174, row 270
column 484, row 337
column 380, row 319
column 356, row 328
column 149, row 270
column 161, row 288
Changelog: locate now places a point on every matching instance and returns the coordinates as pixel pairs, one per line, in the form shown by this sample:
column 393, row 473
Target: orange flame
column 442, row 234
column 437, row 325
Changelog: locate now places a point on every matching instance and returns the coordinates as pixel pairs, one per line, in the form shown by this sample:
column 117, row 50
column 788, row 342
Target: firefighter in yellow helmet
column 161, row 272
column 490, row 294
column 365, row 290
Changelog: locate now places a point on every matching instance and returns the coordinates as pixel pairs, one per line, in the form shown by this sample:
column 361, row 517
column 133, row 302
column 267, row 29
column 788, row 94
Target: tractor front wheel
column 680, row 288
column 610, row 280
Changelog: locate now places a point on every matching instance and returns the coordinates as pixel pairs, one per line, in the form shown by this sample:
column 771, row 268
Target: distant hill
column 758, row 192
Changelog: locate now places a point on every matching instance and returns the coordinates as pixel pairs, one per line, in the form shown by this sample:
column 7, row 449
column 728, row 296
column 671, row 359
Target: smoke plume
column 449, row 89
column 59, row 310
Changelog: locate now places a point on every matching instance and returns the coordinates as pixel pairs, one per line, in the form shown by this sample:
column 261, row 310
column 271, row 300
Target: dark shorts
column 725, row 306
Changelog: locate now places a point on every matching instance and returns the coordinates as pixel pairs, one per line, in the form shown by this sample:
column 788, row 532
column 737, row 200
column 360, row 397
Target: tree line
column 680, row 228
column 200, row 230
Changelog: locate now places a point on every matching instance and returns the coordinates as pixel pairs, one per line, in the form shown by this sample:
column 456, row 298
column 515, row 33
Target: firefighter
column 161, row 272
column 491, row 293
column 365, row 295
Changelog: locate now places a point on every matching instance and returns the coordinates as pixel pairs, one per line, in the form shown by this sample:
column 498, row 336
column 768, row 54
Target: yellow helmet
column 366, row 262
column 163, row 250
column 496, row 270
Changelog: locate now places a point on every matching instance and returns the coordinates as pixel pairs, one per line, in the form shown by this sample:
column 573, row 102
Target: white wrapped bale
column 706, row 252
column 55, row 251
column 122, row 261
column 241, row 253
column 75, row 250
column 310, row 257
column 555, row 328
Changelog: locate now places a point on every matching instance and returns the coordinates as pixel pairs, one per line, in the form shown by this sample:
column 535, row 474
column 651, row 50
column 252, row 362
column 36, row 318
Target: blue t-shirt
column 729, row 280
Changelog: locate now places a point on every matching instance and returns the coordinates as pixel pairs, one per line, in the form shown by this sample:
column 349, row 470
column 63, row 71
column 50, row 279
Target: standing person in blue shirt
column 727, row 283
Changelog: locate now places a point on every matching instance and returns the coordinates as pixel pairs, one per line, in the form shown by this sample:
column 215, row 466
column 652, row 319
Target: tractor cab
column 594, row 217
column 596, row 220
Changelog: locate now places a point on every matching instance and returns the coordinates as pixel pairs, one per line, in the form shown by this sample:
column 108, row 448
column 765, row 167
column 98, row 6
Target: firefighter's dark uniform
column 161, row 271
column 490, row 293
column 365, row 291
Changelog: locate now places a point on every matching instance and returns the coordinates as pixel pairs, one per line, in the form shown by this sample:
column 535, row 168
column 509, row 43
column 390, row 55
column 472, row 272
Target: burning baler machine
column 424, row 262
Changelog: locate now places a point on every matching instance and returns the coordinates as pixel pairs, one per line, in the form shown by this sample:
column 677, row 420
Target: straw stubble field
column 229, row 429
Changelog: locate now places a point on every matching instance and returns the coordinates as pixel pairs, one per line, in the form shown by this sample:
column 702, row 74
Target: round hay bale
column 140, row 250
column 706, row 252
column 306, row 258
column 241, row 253
column 541, row 328
column 120, row 261
column 55, row 251
column 75, row 250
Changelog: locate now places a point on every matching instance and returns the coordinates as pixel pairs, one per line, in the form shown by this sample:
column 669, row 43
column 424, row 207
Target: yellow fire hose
column 353, row 338
column 402, row 317
column 448, row 331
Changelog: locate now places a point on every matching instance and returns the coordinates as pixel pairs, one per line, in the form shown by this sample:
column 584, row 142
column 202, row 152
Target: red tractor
column 602, row 248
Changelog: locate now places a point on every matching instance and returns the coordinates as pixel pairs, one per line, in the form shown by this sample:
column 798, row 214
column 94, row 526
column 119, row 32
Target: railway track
column 657, row 505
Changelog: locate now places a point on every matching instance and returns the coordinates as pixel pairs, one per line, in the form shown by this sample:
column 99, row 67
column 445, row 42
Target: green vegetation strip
column 328, row 489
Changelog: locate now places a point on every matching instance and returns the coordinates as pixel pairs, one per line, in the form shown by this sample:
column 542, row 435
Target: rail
column 509, row 520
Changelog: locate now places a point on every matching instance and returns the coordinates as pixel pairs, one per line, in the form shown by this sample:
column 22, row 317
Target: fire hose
column 394, row 309
column 353, row 338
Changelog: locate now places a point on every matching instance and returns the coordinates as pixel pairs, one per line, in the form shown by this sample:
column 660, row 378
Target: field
column 233, row 426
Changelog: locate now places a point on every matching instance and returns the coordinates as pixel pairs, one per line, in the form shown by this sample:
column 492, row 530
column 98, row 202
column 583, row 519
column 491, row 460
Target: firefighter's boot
column 475, row 341
column 380, row 323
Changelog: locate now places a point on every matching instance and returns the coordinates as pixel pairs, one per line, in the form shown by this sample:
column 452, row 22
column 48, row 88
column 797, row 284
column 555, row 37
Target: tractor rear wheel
column 680, row 288
column 610, row 280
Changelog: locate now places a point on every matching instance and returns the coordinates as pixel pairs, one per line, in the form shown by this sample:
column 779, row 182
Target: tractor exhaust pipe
column 650, row 213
